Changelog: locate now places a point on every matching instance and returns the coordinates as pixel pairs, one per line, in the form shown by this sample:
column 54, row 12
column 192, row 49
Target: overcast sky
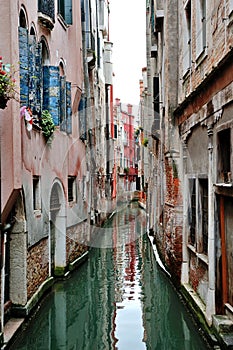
column 128, row 34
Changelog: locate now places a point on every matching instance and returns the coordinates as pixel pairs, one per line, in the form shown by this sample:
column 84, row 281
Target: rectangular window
column 204, row 214
column 36, row 193
column 224, row 156
column 230, row 7
column 71, row 188
column 65, row 10
column 200, row 27
column 193, row 210
column 187, row 38
column 115, row 131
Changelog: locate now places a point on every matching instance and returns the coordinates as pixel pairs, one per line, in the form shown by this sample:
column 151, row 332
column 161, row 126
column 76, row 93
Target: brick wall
column 76, row 242
column 37, row 266
column 172, row 220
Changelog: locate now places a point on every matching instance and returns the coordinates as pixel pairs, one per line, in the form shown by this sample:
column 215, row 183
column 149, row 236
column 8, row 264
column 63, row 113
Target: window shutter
column 23, row 65
column 38, row 75
column 156, row 102
column 68, row 109
column 51, row 91
column 63, row 103
column 32, row 82
column 68, row 11
column 199, row 29
column 82, row 118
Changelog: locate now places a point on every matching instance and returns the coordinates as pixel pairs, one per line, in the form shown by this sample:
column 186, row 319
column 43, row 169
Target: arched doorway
column 57, row 231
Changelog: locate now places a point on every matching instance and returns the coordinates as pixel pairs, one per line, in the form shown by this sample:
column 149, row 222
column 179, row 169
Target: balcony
column 46, row 13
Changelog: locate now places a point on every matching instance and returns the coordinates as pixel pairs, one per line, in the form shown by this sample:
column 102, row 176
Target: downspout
column 87, row 94
column 185, row 255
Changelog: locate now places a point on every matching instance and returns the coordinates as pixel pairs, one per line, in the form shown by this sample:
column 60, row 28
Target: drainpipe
column 3, row 252
column 210, row 304
column 185, row 255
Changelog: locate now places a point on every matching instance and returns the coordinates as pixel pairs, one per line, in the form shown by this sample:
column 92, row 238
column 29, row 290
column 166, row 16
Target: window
column 200, row 27
column 193, row 211
column 187, row 38
column 115, row 131
column 65, row 10
column 71, row 188
column 224, row 156
column 36, row 193
column 204, row 215
column 230, row 7
column 47, row 7
column 198, row 214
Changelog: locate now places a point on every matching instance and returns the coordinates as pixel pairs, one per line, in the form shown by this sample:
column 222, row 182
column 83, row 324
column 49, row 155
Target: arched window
column 22, row 19
column 45, row 53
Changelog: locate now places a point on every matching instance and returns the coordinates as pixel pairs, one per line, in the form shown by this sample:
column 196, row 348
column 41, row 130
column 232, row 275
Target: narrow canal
column 118, row 299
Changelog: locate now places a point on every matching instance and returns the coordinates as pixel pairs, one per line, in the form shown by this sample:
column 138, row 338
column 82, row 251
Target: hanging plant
column 7, row 83
column 47, row 124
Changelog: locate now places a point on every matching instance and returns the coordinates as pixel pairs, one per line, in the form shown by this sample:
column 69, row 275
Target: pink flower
column 22, row 111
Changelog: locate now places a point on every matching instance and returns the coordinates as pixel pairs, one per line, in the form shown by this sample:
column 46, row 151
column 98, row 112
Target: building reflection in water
column 118, row 299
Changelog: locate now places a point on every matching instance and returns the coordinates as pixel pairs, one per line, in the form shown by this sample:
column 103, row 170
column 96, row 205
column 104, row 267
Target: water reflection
column 117, row 300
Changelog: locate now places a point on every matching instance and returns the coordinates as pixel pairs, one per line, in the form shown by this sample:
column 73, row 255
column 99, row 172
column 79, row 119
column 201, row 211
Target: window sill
column 230, row 22
column 62, row 22
column 186, row 74
column 201, row 57
column 224, row 184
column 201, row 256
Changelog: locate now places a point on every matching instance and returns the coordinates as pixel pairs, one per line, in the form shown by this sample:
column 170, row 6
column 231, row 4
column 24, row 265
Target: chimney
column 117, row 101
column 129, row 106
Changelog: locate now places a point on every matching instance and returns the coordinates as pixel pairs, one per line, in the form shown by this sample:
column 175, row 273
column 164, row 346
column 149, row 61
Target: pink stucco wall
column 20, row 152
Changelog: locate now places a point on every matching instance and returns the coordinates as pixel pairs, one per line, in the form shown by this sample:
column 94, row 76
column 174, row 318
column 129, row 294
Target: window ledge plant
column 7, row 84
column 45, row 122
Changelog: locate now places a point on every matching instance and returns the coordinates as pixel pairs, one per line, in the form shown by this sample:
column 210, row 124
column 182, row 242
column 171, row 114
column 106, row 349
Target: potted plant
column 7, row 84
column 47, row 124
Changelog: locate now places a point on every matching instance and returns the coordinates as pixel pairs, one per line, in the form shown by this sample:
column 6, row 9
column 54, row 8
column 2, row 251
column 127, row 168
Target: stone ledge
column 222, row 324
column 23, row 311
column 74, row 264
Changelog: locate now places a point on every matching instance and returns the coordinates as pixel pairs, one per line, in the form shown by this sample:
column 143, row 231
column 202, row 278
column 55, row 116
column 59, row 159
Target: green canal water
column 118, row 299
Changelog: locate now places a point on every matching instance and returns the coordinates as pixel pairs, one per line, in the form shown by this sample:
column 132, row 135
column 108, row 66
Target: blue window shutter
column 32, row 76
column 82, row 118
column 68, row 109
column 68, row 11
column 51, row 91
column 38, row 75
column 23, row 65
column 63, row 103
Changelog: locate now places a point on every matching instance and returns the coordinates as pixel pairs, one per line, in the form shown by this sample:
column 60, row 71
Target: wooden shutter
column 23, row 65
column 68, row 109
column 51, row 91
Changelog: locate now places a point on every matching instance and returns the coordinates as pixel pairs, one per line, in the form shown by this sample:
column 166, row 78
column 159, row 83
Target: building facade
column 190, row 69
column 50, row 153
